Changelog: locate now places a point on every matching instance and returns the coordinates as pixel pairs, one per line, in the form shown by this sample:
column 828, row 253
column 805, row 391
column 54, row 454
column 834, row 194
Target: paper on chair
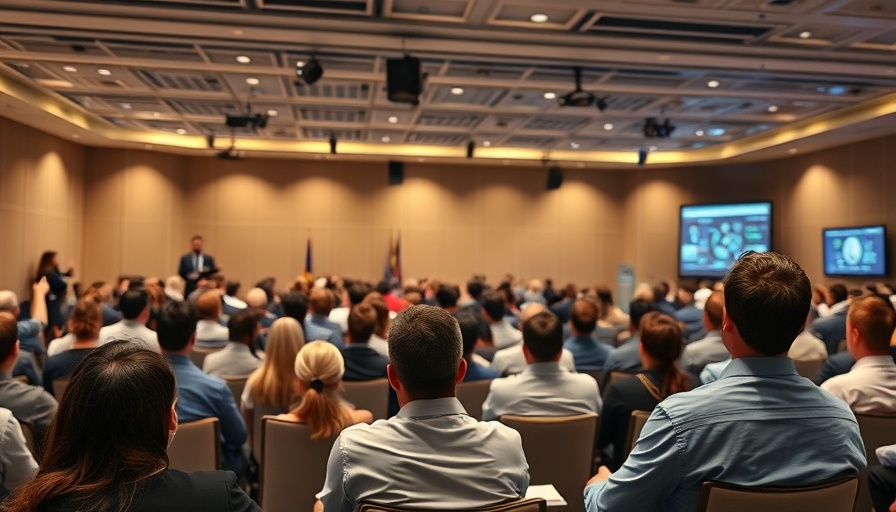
column 548, row 492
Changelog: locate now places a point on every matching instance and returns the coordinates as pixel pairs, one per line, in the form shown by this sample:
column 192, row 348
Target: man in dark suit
column 195, row 265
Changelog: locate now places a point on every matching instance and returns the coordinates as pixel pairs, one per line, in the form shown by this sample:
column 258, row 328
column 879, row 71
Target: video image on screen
column 714, row 236
column 855, row 251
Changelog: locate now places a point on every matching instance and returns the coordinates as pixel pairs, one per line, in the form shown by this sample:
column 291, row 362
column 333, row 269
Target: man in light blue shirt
column 759, row 424
column 588, row 353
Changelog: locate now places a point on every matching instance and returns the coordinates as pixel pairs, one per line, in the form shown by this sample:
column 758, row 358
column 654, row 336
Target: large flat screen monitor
column 855, row 251
column 713, row 236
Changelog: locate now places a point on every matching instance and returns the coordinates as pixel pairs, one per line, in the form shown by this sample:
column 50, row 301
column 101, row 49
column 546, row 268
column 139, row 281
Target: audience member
column 48, row 268
column 361, row 361
column 231, row 304
column 882, row 479
column 807, row 347
column 610, row 315
column 210, row 334
column 502, row 333
column 84, row 324
column 736, row 429
column 238, row 358
column 28, row 331
column 469, row 331
column 870, row 386
column 511, row 361
column 831, row 328
column 688, row 315
column 626, row 357
column 258, row 302
column 134, row 307
column 378, row 340
column 317, row 324
column 588, row 353
column 561, row 308
column 106, row 446
column 422, row 457
column 102, row 293
column 15, row 459
column 710, row 348
column 660, row 347
column 543, row 388
column 175, row 287
column 353, row 294
column 842, row 362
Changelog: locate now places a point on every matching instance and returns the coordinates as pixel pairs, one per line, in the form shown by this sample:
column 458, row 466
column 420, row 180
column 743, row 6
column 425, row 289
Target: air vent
column 449, row 120
column 324, row 134
column 333, row 115
column 781, row 3
column 560, row 124
column 197, row 108
column 335, row 6
column 439, row 139
column 678, row 30
column 181, row 81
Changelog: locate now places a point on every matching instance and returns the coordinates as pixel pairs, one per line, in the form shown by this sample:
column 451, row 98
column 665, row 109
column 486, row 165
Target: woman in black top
column 49, row 267
column 661, row 346
column 106, row 446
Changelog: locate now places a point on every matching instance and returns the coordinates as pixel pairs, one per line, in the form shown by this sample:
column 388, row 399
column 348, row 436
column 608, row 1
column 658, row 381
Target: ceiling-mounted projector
column 578, row 97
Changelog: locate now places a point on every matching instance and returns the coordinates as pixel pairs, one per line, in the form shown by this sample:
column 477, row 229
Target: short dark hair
column 767, row 295
column 637, row 309
column 132, row 302
column 543, row 336
column 175, row 325
column 838, row 292
column 604, row 293
column 9, row 333
column 447, row 296
column 294, row 305
column 583, row 316
column 362, row 321
column 357, row 291
column 232, row 287
column 475, row 288
column 714, row 308
column 469, row 330
column 493, row 305
column 242, row 325
column 425, row 347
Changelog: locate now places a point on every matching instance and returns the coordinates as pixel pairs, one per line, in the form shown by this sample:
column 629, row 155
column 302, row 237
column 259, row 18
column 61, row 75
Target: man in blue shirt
column 199, row 395
column 317, row 324
column 759, row 424
column 588, row 353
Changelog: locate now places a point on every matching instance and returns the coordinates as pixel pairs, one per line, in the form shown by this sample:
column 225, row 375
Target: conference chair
column 198, row 355
column 196, row 446
column 635, row 424
column 524, row 505
column 236, row 385
column 30, row 440
column 258, row 414
column 809, row 369
column 835, row 496
column 876, row 431
column 559, row 450
column 59, row 386
column 471, row 396
column 614, row 375
column 293, row 466
column 372, row 395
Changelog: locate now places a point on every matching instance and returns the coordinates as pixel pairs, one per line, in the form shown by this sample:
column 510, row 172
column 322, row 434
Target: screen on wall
column 713, row 236
column 855, row 251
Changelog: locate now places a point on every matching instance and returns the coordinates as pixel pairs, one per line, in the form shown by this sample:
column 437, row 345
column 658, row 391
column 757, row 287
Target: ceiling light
column 237, row 32
column 104, row 72
column 792, row 150
column 539, row 17
column 155, row 114
column 243, row 59
column 699, row 133
column 836, row 90
column 487, row 143
column 272, row 113
column 252, row 81
column 386, row 138
column 712, row 84
column 76, row 136
column 608, row 126
column 393, row 119
column 457, row 91
column 716, row 132
column 309, row 71
column 181, row 131
column 805, row 34
column 773, row 108
column 550, row 95
column 574, row 145
column 126, row 106
column 70, row 69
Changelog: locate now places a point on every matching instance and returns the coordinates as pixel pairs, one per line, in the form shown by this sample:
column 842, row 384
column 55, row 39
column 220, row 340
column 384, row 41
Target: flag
column 387, row 273
column 308, row 275
column 396, row 259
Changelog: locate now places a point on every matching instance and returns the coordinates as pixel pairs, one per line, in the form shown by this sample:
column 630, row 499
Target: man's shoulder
column 13, row 391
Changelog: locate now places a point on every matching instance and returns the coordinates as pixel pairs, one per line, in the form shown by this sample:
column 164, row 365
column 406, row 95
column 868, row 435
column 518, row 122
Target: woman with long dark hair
column 48, row 267
column 661, row 347
column 106, row 446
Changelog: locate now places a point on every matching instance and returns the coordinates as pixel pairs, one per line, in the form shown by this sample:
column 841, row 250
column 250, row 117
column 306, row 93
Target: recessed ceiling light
column 653, row 148
column 76, row 136
column 300, row 64
column 104, row 72
column 580, row 165
column 237, row 32
column 252, row 81
column 505, row 162
column 716, row 132
column 836, row 90
column 272, row 113
column 393, row 119
column 421, row 160
column 70, row 69
column 550, row 95
column 608, row 126
column 181, row 131
column 126, row 106
column 712, row 84
column 486, row 143
column 243, row 59
column 539, row 17
column 574, row 145
column 792, row 150
column 386, row 138
column 699, row 133
column 155, row 114
column 805, row 34
column 772, row 108
column 457, row 91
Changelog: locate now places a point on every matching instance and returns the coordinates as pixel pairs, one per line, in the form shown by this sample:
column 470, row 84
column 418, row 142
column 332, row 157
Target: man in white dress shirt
column 511, row 361
column 209, row 331
column 870, row 387
column 432, row 454
column 504, row 335
column 134, row 306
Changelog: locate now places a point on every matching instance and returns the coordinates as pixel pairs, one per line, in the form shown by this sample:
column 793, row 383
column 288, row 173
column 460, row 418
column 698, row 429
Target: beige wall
column 256, row 214
column 41, row 202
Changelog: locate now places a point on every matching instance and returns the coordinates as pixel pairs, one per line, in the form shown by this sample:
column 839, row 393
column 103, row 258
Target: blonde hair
column 273, row 383
column 319, row 367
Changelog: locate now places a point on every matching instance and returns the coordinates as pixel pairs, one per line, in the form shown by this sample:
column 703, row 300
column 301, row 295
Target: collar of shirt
column 839, row 307
column 759, row 367
column 550, row 367
column 874, row 361
column 235, row 346
column 431, row 408
column 178, row 360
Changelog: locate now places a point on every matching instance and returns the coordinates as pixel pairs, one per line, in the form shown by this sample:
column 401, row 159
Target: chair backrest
column 614, row 375
column 59, row 388
column 471, row 396
column 635, row 424
column 876, row 431
column 236, row 385
column 835, row 496
column 198, row 355
column 560, row 451
column 372, row 395
column 293, row 467
column 260, row 411
column 30, row 440
column 196, row 446
column 525, row 505
column 809, row 369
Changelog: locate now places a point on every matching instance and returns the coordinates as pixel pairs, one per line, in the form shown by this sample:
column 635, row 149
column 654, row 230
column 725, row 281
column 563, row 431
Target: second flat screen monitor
column 713, row 236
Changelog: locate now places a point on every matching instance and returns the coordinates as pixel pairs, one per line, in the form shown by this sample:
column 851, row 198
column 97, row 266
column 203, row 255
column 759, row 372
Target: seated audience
column 561, row 308
column 106, row 446
column 84, row 324
column 469, row 331
column 659, row 347
column 588, row 353
column 210, row 333
column 174, row 288
column 318, row 369
column 199, row 395
column 361, row 361
column 543, row 388
column 627, row 356
column 231, row 304
column 102, row 293
column 882, row 479
column 30, row 404
column 134, row 306
column 831, row 328
column 511, row 361
column 258, row 301
column 610, row 315
column 870, row 386
column 422, row 457
column 503, row 334
column 842, row 362
column 807, row 347
column 15, row 459
column 378, row 339
column 28, row 331
column 736, row 429
column 710, row 348
column 353, row 294
column 238, row 358
column 317, row 324
column 688, row 315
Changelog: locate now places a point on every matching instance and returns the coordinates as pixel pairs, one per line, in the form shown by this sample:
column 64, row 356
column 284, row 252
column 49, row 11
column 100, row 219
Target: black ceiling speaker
column 396, row 172
column 555, row 178
column 403, row 80
column 311, row 71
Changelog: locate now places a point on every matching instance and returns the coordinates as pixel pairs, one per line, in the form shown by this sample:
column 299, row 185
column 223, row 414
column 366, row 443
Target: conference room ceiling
column 734, row 77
